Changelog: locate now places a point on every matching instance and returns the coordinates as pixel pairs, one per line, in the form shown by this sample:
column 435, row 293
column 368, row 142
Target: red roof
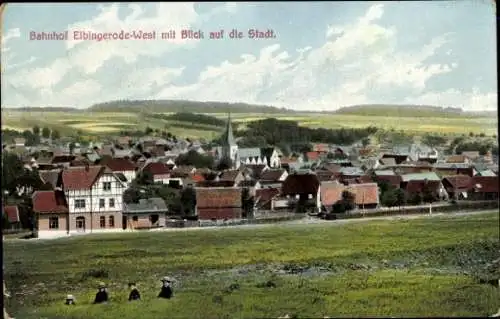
column 12, row 213
column 49, row 202
column 312, row 156
column 120, row 165
column 320, row 147
column 366, row 193
column 197, row 177
column 157, row 168
column 303, row 184
column 75, row 178
column 458, row 182
column 218, row 197
column 265, row 195
column 272, row 174
column 331, row 192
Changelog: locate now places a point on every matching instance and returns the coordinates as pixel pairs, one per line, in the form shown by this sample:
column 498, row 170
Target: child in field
column 70, row 300
column 134, row 292
column 102, row 294
column 166, row 289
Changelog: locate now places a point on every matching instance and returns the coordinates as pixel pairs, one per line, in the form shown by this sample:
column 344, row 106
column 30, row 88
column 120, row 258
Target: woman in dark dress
column 102, row 294
column 134, row 292
column 166, row 289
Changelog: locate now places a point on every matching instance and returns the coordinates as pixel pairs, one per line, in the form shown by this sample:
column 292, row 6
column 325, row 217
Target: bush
column 95, row 273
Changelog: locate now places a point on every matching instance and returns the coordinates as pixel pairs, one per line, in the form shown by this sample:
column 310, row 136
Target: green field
column 109, row 122
column 421, row 267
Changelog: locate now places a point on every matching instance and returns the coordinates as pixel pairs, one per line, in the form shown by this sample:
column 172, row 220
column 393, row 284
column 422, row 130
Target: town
column 127, row 184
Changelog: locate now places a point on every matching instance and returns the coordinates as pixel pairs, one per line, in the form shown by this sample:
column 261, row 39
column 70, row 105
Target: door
column 80, row 224
column 124, row 222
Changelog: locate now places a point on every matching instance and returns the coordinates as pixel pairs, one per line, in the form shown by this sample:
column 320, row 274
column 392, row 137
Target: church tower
column 229, row 146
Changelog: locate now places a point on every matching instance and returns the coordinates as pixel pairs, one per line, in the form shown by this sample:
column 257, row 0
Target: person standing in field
column 70, row 300
column 166, row 289
column 102, row 294
column 134, row 292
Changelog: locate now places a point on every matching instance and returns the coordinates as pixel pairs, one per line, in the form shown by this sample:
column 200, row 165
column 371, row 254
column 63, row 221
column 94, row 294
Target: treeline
column 196, row 118
column 32, row 137
column 275, row 132
column 164, row 106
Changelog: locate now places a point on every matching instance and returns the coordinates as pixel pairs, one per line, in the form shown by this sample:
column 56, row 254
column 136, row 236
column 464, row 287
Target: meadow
column 95, row 123
column 421, row 267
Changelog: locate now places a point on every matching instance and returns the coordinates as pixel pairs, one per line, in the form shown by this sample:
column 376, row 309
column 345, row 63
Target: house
column 63, row 160
column 325, row 175
column 484, row 188
column 11, row 213
column 19, row 142
column 147, row 213
column 302, row 188
column 313, row 156
column 51, row 214
column 418, row 183
column 252, row 185
column 51, row 178
column 446, row 169
column 275, row 175
column 388, row 177
column 457, row 186
column 254, row 170
column 264, row 198
column 366, row 195
column 233, row 176
column 123, row 166
column 409, row 167
column 471, row 155
column 218, row 203
column 458, row 159
column 94, row 196
column 159, row 171
column 321, row 147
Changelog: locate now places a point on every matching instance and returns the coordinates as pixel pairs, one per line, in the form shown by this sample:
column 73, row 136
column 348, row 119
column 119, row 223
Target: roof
column 430, row 176
column 249, row 152
column 120, row 165
column 385, row 172
column 350, row 171
column 154, row 204
column 313, row 156
column 300, row 184
column 197, row 177
column 320, row 147
column 458, row 182
column 212, row 183
column 256, row 169
column 324, row 175
column 50, row 176
column 267, row 152
column 366, row 193
column 456, row 159
column 247, row 183
column 471, row 154
column 272, row 174
column 49, row 202
column 157, row 168
column 74, row 178
column 393, row 180
column 485, row 184
column 62, row 159
column 217, row 197
column 487, row 172
column 388, row 161
column 230, row 175
column 331, row 192
column 12, row 212
column 265, row 195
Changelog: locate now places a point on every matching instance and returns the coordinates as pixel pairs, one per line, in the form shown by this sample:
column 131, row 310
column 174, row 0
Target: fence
column 422, row 209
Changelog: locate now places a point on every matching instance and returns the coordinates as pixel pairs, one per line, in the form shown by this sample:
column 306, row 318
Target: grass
column 362, row 276
column 101, row 122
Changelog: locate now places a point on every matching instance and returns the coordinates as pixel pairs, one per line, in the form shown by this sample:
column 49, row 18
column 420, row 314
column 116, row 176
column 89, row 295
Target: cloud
column 10, row 34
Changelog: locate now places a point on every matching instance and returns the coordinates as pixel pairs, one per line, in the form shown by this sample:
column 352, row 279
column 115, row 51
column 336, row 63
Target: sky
column 323, row 55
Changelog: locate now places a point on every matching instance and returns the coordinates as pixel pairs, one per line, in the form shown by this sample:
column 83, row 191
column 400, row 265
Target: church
column 254, row 155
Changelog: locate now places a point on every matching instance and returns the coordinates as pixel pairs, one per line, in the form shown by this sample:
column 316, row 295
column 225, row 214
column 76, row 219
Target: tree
column 45, row 132
column 36, row 130
column 188, row 201
column 428, row 195
column 400, row 197
column 145, row 178
column 433, row 140
column 195, row 159
column 171, row 197
column 389, row 198
column 365, row 141
column 415, row 199
column 247, row 203
column 12, row 168
column 55, row 135
column 338, row 208
column 30, row 138
column 224, row 163
column 72, row 147
column 348, row 199
column 131, row 195
column 148, row 130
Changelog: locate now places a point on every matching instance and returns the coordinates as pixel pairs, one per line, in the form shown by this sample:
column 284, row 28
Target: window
column 53, row 222
column 106, row 186
column 101, row 203
column 111, row 202
column 102, row 222
column 135, row 218
column 79, row 203
column 80, row 223
column 111, row 221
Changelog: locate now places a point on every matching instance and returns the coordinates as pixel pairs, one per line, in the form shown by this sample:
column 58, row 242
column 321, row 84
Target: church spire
column 228, row 137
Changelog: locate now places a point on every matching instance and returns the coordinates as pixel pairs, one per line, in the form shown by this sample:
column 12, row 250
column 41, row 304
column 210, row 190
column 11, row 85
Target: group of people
column 102, row 295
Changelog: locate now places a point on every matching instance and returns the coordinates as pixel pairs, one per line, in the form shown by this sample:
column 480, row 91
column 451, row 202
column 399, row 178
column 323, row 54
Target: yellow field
column 105, row 122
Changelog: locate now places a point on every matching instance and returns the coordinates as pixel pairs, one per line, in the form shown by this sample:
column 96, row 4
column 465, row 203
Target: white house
column 94, row 198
